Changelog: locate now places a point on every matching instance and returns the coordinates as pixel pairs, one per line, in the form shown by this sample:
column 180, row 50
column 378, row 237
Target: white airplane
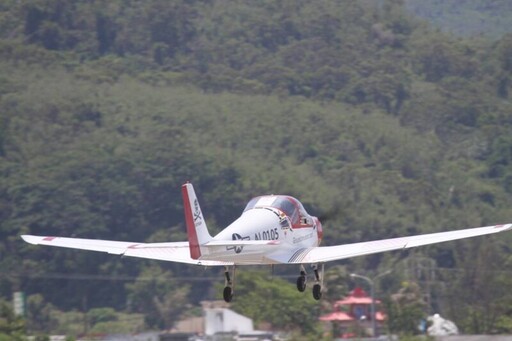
column 273, row 229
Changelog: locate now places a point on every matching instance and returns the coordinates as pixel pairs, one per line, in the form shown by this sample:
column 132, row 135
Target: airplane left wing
column 331, row 253
column 174, row 251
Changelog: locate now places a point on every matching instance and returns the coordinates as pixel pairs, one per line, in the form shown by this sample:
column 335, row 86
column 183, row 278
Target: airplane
column 273, row 229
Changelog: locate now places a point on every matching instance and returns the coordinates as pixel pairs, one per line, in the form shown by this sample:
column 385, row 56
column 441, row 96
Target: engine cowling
column 319, row 230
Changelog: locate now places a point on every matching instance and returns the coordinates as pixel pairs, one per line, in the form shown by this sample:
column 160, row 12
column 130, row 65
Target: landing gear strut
column 229, row 284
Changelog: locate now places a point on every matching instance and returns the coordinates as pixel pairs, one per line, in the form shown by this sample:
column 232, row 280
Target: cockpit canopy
column 289, row 205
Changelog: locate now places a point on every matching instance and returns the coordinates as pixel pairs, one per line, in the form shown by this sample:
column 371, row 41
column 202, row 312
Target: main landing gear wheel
column 317, row 288
column 228, row 294
column 229, row 284
column 301, row 280
column 301, row 283
column 317, row 292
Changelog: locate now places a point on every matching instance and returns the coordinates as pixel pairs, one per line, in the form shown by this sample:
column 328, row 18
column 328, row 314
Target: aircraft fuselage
column 269, row 218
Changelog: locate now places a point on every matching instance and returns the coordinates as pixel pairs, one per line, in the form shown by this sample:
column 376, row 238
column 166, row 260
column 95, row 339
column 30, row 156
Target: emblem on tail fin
column 198, row 219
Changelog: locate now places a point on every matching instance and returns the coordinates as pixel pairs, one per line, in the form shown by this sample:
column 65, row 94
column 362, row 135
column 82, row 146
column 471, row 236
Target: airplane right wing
column 330, row 253
column 173, row 252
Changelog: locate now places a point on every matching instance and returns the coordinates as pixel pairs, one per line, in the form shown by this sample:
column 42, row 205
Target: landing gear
column 301, row 280
column 317, row 288
column 228, row 294
column 317, row 291
column 229, row 285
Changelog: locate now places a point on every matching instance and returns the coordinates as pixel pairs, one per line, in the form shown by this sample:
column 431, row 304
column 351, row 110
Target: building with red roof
column 353, row 313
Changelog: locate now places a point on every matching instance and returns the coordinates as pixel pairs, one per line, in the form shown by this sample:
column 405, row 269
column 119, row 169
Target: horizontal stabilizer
column 243, row 243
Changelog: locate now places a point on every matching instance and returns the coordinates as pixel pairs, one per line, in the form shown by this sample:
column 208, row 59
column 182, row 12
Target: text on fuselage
column 271, row 234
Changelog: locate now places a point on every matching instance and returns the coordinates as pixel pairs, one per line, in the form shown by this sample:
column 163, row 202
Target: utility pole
column 84, row 307
column 372, row 294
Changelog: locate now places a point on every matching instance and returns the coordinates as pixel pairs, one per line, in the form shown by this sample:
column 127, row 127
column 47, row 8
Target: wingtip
column 504, row 227
column 29, row 239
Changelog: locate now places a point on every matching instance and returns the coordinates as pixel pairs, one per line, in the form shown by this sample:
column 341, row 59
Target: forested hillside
column 381, row 125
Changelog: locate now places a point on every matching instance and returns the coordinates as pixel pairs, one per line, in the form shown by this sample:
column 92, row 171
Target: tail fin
column 197, row 230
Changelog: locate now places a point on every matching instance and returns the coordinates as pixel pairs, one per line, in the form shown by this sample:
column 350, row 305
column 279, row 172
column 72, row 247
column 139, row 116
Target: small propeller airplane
column 273, row 229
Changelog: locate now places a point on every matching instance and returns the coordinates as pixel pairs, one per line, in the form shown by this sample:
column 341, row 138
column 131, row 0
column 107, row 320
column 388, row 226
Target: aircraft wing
column 174, row 251
column 180, row 251
column 331, row 253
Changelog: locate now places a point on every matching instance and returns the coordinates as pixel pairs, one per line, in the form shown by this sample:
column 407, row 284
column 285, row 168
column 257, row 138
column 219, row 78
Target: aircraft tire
column 317, row 292
column 301, row 283
column 228, row 294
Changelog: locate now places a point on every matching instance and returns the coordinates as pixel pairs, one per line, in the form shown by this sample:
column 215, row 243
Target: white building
column 223, row 320
column 216, row 319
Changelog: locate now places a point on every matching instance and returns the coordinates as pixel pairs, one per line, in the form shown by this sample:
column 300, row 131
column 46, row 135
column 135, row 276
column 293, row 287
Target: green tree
column 157, row 295
column 275, row 301
column 480, row 301
column 12, row 327
column 503, row 52
column 437, row 56
column 335, row 283
column 405, row 309
column 98, row 315
column 40, row 314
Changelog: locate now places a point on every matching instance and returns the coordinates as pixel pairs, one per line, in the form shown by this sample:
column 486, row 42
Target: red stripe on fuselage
column 193, row 242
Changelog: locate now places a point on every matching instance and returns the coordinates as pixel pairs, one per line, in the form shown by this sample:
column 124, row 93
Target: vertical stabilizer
column 196, row 226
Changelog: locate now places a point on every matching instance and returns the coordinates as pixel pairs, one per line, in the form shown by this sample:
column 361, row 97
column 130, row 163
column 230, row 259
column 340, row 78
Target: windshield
column 288, row 205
